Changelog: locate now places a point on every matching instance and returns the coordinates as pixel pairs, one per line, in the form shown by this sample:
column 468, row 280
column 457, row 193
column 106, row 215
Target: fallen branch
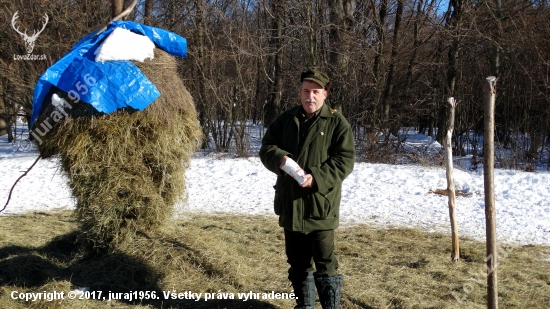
column 444, row 192
column 24, row 174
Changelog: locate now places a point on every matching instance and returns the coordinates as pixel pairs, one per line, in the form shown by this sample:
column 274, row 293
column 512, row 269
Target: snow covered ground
column 376, row 194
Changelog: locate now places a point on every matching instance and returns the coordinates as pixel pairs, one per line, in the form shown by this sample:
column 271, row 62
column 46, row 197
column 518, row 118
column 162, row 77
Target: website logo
column 29, row 40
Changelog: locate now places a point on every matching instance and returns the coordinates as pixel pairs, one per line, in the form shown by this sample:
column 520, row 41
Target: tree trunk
column 338, row 53
column 435, row 85
column 202, row 78
column 312, row 41
column 416, row 45
column 495, row 60
column 117, row 7
column 454, row 22
column 488, row 176
column 455, row 252
column 377, row 70
column 5, row 126
column 148, row 14
column 276, row 42
column 391, row 71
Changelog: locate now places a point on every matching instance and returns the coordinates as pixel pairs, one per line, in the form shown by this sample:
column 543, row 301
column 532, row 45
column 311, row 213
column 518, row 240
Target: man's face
column 313, row 96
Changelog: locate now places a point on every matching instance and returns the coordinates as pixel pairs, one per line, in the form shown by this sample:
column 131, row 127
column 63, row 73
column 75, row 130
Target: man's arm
column 271, row 155
column 340, row 162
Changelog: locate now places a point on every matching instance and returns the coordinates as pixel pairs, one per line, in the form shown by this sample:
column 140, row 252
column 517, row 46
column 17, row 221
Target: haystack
column 126, row 169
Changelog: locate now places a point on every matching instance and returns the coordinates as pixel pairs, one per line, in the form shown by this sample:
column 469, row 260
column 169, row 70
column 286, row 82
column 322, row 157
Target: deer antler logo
column 29, row 40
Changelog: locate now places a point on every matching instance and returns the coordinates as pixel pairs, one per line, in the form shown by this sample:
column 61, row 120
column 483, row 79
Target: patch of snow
column 123, row 44
column 380, row 195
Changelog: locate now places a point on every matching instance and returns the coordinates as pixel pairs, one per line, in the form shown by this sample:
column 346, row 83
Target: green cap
column 316, row 76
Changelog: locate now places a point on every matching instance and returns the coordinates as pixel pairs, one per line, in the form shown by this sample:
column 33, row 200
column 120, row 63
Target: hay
column 382, row 268
column 126, row 169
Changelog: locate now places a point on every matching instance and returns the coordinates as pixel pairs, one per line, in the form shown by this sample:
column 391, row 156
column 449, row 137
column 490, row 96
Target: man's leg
column 322, row 249
column 329, row 283
column 300, row 273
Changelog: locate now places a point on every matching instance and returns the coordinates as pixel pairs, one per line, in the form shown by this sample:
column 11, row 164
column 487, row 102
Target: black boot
column 304, row 290
column 330, row 291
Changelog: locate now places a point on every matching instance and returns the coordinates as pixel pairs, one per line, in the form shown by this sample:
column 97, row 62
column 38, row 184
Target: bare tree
column 148, row 12
column 392, row 62
column 201, row 71
column 378, row 59
column 454, row 20
column 340, row 17
column 388, row 91
column 276, row 43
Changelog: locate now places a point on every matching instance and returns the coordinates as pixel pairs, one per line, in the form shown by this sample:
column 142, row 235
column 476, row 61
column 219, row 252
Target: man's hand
column 310, row 181
column 283, row 161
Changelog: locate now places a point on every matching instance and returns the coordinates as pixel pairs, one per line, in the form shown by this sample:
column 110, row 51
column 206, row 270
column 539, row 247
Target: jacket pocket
column 280, row 198
column 322, row 205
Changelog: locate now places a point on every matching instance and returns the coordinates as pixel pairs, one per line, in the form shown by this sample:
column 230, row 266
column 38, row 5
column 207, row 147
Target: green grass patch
column 216, row 254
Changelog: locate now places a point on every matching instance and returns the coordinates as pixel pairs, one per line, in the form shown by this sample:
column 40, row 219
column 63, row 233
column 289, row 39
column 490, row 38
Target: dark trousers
column 303, row 249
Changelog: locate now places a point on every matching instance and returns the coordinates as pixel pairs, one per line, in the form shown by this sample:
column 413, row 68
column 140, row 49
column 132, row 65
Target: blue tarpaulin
column 110, row 85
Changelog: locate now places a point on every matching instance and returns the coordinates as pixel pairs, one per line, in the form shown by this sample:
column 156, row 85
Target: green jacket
column 328, row 153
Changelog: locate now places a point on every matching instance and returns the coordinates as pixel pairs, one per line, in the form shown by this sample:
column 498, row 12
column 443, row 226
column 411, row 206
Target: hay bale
column 126, row 169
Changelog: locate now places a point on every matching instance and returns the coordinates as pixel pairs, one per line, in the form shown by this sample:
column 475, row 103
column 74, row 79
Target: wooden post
column 488, row 176
column 451, row 191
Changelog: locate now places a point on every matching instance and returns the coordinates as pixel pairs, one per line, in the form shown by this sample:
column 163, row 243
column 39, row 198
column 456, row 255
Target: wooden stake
column 451, row 191
column 488, row 176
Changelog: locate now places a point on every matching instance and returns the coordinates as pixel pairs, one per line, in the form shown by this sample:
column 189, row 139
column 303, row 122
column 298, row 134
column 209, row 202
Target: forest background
column 393, row 64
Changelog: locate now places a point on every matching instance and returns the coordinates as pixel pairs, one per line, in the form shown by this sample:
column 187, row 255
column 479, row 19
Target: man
column 320, row 140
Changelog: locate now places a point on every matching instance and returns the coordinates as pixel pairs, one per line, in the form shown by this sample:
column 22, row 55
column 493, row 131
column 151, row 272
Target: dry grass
column 393, row 268
column 126, row 169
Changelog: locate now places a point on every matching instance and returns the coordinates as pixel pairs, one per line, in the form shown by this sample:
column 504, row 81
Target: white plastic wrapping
column 293, row 169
